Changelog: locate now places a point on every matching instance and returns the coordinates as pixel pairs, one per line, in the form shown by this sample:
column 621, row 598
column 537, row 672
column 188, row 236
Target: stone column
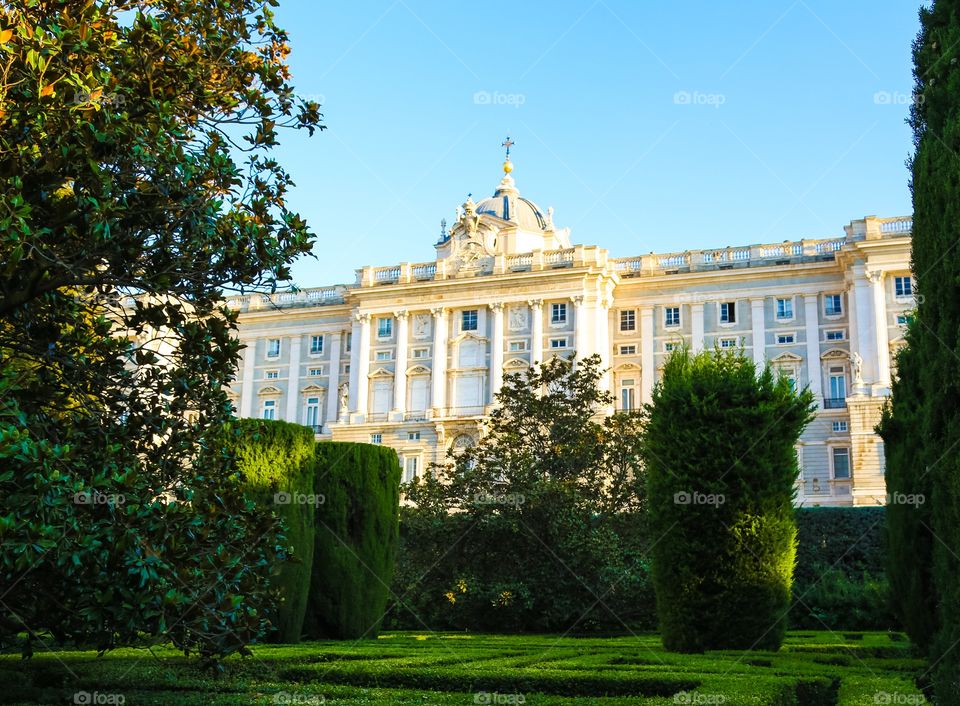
column 439, row 374
column 866, row 324
column 246, row 382
column 354, row 367
column 883, row 336
column 536, row 330
column 293, row 380
column 696, row 317
column 603, row 341
column 361, row 352
column 333, row 380
column 496, row 350
column 648, row 368
column 400, row 368
column 811, row 314
column 757, row 321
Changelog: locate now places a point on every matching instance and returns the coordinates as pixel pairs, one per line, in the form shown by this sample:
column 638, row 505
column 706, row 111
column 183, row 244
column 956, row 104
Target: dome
column 507, row 204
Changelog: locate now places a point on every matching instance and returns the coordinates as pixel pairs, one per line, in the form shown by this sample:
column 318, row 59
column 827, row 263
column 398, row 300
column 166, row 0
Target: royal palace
column 411, row 355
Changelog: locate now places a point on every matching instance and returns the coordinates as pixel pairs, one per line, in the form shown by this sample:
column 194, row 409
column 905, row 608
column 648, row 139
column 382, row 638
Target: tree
column 719, row 451
column 126, row 213
column 538, row 502
column 923, row 423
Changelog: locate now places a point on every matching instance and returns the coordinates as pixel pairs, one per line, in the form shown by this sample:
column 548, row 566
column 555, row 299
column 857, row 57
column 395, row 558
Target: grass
column 812, row 669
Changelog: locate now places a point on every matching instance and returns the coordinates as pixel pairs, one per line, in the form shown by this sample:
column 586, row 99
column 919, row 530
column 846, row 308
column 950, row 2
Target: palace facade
column 411, row 355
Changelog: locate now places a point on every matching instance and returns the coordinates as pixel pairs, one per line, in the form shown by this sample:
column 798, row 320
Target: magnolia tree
column 137, row 183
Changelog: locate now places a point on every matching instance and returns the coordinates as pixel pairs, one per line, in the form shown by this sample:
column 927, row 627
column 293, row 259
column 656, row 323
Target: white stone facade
column 412, row 354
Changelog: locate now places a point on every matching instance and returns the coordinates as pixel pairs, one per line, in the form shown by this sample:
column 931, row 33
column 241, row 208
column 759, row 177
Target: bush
column 356, row 539
column 278, row 465
column 721, row 469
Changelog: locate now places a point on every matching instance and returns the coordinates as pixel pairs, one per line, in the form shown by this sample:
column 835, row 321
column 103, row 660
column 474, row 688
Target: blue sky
column 648, row 126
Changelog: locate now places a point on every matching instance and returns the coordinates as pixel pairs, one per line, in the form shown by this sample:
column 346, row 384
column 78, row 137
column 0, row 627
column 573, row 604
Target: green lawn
column 813, row 668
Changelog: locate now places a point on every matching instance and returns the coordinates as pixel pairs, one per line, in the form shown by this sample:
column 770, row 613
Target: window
column 728, row 312
column 558, row 313
column 628, row 320
column 838, row 383
column 349, row 343
column 376, row 438
column 558, row 342
column 785, row 308
column 627, row 395
column 312, row 413
column 383, row 355
column 671, row 316
column 904, row 319
column 384, row 328
column 903, row 286
column 413, row 436
column 411, row 466
column 315, row 372
column 468, row 320
column 729, row 342
column 628, row 350
column 841, row 463
column 832, row 304
column 786, row 338
column 272, row 374
column 518, row 346
column 840, row 426
column 269, row 409
column 420, row 352
column 669, row 347
column 316, row 345
column 836, row 335
column 273, row 348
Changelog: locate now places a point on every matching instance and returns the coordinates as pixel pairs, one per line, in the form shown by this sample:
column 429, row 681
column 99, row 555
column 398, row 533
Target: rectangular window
column 669, row 347
column 413, row 436
column 558, row 313
column 272, row 374
column 518, row 346
column 840, row 426
column 627, row 396
column 841, row 463
column 383, row 355
column 316, row 345
column 785, row 308
column 420, row 352
column 628, row 320
column 628, row 350
column 349, row 343
column 384, row 328
column 376, row 438
column 836, row 335
column 269, row 409
column 558, row 342
column 729, row 342
column 315, row 372
column 903, row 286
column 468, row 320
column 411, row 467
column 728, row 312
column 838, row 383
column 786, row 338
column 312, row 413
column 904, row 319
column 273, row 348
column 833, row 304
column 671, row 316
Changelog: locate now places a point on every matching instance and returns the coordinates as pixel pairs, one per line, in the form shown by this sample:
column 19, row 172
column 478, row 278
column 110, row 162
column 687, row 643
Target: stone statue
column 344, row 393
column 856, row 362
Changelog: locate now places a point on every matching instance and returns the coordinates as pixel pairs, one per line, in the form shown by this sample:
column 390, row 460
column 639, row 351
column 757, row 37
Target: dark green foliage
column 544, row 516
column 278, row 463
column 840, row 581
column 356, row 539
column 721, row 469
column 922, row 427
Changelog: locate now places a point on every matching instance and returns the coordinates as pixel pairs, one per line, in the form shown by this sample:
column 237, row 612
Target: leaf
column 46, row 90
column 5, row 36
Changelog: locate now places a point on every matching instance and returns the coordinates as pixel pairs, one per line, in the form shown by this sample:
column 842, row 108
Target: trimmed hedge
column 278, row 465
column 356, row 539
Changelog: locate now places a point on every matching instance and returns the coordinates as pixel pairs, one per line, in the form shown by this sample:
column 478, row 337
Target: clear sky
column 648, row 126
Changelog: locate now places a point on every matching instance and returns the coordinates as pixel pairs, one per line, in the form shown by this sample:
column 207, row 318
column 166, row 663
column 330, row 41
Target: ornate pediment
column 516, row 364
column 380, row 373
column 269, row 390
column 418, row 370
column 787, row 357
column 835, row 354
